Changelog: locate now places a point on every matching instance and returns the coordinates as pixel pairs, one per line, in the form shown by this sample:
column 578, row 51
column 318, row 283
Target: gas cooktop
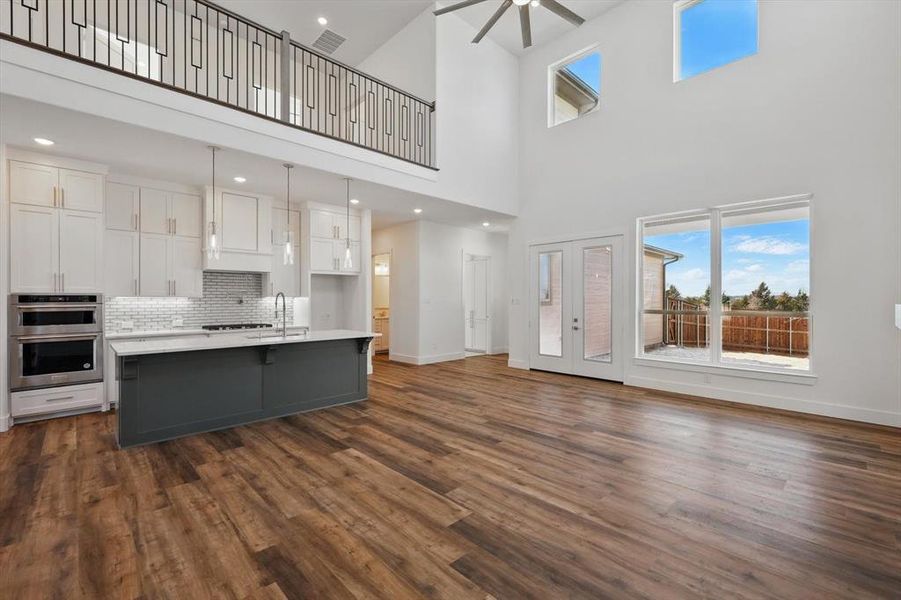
column 226, row 326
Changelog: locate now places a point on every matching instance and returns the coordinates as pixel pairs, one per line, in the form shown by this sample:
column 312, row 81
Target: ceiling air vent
column 328, row 42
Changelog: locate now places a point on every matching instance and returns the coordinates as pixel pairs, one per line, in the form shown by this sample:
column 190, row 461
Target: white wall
column 817, row 110
column 407, row 59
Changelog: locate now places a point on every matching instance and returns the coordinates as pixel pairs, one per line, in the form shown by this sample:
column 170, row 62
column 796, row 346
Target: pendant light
column 288, row 254
column 348, row 260
column 212, row 244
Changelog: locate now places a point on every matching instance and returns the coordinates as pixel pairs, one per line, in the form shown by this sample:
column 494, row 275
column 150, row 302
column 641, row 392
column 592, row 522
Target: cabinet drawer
column 51, row 400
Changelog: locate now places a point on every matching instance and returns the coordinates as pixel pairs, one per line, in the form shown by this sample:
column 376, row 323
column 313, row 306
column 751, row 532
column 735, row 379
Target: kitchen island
column 169, row 388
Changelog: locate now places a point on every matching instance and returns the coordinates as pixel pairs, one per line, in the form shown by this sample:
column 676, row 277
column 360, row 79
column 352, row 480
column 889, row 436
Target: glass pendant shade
column 213, row 251
column 348, row 260
column 288, row 252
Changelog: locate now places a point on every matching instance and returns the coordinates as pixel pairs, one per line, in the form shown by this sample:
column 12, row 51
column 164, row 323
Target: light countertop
column 129, row 335
column 234, row 339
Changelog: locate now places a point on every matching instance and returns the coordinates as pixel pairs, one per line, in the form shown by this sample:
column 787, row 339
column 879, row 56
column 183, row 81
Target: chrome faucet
column 284, row 315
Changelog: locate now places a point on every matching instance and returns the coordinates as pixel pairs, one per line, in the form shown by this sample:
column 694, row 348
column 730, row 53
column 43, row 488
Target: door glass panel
column 550, row 312
column 597, row 290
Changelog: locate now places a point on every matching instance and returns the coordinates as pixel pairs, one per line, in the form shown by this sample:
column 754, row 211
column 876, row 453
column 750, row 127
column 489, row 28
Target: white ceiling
column 546, row 26
column 139, row 152
column 367, row 24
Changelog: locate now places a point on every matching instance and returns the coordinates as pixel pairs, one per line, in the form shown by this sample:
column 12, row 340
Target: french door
column 475, row 303
column 576, row 304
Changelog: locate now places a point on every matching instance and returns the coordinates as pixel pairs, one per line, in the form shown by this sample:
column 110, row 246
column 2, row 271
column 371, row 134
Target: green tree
column 762, row 298
column 673, row 292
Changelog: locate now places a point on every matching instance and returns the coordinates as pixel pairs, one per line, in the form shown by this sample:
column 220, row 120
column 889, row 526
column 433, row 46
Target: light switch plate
column 898, row 316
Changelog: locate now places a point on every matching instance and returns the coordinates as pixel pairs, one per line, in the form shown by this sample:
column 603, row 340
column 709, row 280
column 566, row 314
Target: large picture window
column 729, row 286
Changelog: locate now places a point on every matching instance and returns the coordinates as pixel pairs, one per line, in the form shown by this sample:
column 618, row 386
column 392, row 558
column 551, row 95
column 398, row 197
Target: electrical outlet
column 126, row 325
column 178, row 322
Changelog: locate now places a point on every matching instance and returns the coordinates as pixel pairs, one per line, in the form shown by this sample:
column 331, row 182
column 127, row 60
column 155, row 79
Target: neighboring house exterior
column 572, row 96
column 655, row 262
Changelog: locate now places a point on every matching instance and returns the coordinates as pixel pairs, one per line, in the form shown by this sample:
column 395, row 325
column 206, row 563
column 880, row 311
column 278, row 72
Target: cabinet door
column 185, row 211
column 154, row 211
column 80, row 251
column 32, row 184
column 34, row 248
column 239, row 222
column 342, row 222
column 155, row 260
column 187, row 267
column 122, row 206
column 322, row 255
column 354, row 255
column 122, row 261
column 80, row 190
column 322, row 224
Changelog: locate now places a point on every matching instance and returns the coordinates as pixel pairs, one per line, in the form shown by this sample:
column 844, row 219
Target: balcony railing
column 200, row 49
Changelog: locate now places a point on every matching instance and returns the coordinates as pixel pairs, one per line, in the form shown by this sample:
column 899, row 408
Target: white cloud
column 767, row 245
column 755, row 268
column 798, row 266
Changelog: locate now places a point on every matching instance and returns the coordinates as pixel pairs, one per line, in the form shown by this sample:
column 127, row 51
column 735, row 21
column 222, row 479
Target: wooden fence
column 765, row 332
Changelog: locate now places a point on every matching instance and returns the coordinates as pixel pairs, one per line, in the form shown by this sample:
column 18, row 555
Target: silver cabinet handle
column 54, row 282
column 134, row 220
column 62, row 282
column 54, row 195
column 136, row 286
column 174, row 226
column 60, row 398
column 174, row 288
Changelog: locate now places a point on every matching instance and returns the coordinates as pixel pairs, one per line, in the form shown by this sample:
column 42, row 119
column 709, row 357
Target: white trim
column 839, row 411
column 51, row 160
column 515, row 363
column 555, row 66
column 499, row 350
column 425, row 360
column 5, row 423
column 775, row 374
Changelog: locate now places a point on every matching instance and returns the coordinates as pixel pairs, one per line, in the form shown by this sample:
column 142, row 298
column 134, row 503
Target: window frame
column 715, row 364
column 679, row 6
column 551, row 83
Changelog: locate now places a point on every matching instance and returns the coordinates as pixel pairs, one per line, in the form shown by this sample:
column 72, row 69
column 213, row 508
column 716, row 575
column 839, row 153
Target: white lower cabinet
column 122, row 263
column 186, row 267
column 30, row 403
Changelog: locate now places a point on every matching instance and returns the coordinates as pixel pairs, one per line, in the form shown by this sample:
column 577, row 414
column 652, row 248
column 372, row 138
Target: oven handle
column 54, row 307
column 52, row 337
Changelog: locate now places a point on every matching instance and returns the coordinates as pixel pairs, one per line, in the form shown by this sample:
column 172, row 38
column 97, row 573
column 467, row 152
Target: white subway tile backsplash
column 227, row 298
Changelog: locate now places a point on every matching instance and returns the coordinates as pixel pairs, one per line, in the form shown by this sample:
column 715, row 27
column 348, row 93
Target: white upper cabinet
column 122, row 206
column 155, row 276
column 333, row 224
column 187, row 215
column 155, row 211
column 33, row 184
column 186, row 268
column 56, row 229
column 80, row 251
column 121, row 262
column 34, row 249
column 328, row 241
column 244, row 227
column 80, row 190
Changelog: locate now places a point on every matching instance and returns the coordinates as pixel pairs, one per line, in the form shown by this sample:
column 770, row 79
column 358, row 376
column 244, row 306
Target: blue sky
column 588, row 69
column 777, row 253
column 717, row 32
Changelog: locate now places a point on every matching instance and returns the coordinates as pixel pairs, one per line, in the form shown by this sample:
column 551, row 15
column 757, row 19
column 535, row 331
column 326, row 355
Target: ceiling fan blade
column 561, row 11
column 497, row 15
column 457, row 6
column 526, row 25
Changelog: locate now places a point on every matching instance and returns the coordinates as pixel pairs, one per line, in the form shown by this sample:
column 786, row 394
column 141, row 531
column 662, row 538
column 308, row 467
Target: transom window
column 711, row 33
column 728, row 286
column 574, row 87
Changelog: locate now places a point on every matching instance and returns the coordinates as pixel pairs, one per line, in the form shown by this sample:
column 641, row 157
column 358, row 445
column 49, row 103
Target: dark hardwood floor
column 461, row 480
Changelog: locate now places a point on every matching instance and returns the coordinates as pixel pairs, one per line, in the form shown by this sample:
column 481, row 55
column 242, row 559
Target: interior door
column 597, row 288
column 550, row 328
column 576, row 307
column 475, row 303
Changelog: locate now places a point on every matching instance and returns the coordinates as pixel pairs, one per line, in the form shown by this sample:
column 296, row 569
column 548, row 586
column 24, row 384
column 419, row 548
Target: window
column 741, row 302
column 712, row 33
column 575, row 87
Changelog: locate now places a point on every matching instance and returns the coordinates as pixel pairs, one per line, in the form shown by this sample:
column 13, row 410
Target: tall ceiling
column 367, row 24
column 546, row 26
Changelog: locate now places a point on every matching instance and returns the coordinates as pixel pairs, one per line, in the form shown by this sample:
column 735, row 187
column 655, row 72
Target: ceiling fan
column 524, row 21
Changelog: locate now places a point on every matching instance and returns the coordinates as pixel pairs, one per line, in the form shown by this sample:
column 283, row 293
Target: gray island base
column 170, row 389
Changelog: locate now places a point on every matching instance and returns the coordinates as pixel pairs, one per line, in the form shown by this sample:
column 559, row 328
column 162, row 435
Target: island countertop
column 267, row 337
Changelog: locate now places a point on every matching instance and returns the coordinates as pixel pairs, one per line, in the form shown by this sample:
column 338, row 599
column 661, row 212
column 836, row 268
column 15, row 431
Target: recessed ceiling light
column 486, row 224
column 322, row 21
column 240, row 179
column 44, row 141
column 354, row 201
column 417, row 210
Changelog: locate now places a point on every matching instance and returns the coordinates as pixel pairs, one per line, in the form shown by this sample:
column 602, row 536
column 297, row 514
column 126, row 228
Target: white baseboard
column 499, row 350
column 514, row 363
column 839, row 411
column 426, row 360
column 5, row 423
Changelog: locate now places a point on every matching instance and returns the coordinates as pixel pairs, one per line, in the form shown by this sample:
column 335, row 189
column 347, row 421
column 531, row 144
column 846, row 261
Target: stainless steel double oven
column 55, row 339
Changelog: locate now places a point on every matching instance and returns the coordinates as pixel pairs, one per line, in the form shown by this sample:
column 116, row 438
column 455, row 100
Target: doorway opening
column 381, row 302
column 476, row 317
